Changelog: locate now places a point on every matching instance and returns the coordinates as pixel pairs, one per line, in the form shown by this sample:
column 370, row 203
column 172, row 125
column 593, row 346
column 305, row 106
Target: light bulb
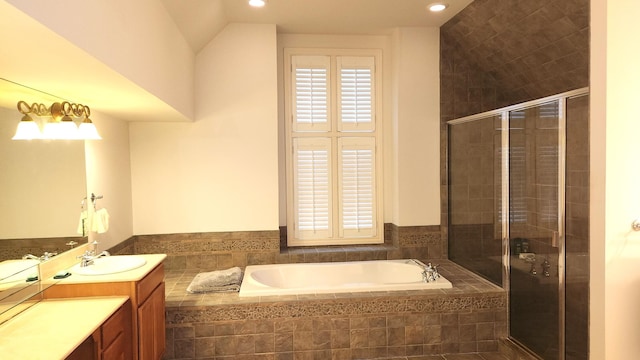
column 27, row 129
column 436, row 7
column 257, row 3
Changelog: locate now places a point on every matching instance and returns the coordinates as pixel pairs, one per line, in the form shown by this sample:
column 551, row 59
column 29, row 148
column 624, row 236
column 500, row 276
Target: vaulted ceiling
column 200, row 20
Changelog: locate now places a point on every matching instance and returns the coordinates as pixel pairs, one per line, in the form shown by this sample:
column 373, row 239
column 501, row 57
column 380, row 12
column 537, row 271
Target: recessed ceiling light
column 436, row 7
column 257, row 3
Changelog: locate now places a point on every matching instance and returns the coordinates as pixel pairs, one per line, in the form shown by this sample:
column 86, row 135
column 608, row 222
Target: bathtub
column 336, row 277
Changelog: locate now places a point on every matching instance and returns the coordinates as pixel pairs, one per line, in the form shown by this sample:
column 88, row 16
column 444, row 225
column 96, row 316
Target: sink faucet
column 47, row 255
column 87, row 258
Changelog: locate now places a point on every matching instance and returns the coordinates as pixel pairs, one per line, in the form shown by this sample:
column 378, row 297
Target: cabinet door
column 151, row 328
column 117, row 350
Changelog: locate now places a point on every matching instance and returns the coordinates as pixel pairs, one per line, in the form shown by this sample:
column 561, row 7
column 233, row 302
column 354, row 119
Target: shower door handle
column 555, row 236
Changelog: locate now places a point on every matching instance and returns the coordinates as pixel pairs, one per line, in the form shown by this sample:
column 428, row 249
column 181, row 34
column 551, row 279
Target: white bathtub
column 336, row 277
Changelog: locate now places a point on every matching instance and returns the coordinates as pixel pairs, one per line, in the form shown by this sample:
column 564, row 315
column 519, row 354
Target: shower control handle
column 545, row 267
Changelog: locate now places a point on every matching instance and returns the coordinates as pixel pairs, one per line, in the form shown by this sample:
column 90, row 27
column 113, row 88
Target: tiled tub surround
column 222, row 250
column 469, row 318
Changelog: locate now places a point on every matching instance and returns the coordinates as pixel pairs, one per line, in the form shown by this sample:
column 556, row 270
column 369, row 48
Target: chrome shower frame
column 503, row 113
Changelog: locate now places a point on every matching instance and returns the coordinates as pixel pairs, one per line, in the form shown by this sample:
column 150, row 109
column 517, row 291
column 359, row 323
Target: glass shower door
column 475, row 196
column 535, row 227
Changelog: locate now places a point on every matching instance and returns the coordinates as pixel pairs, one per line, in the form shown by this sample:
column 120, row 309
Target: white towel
column 216, row 281
column 100, row 223
column 83, row 228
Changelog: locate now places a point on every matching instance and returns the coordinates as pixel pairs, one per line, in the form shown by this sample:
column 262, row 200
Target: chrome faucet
column 545, row 267
column 429, row 272
column 87, row 258
column 46, row 256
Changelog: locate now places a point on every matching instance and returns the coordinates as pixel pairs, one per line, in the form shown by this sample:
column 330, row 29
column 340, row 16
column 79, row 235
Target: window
column 333, row 161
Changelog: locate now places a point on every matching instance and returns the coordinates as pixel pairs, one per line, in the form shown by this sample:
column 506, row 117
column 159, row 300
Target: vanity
column 92, row 328
column 94, row 313
column 144, row 286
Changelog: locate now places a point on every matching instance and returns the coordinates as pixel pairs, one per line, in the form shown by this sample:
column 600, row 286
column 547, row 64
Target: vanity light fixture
column 437, row 7
column 58, row 122
column 257, row 3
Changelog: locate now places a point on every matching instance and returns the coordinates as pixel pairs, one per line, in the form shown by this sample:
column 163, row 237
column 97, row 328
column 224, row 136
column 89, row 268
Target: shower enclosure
column 518, row 183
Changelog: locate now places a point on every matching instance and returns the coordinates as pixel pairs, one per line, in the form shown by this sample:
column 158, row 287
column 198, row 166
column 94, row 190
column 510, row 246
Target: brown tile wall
column 496, row 53
column 370, row 336
column 221, row 250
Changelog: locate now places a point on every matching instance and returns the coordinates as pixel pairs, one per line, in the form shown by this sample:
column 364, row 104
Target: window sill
column 337, row 253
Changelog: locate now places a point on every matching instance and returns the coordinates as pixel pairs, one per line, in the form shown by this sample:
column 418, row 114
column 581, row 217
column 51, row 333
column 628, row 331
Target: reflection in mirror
column 16, row 271
column 43, row 190
column 19, row 286
column 42, row 187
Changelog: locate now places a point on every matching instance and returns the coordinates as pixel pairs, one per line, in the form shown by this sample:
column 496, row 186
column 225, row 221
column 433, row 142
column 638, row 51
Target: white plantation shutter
column 356, row 93
column 356, row 168
column 312, row 187
column 333, row 174
column 311, row 76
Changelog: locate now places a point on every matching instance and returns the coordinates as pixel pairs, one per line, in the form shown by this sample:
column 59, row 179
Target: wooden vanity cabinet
column 147, row 305
column 151, row 325
column 115, row 335
column 111, row 341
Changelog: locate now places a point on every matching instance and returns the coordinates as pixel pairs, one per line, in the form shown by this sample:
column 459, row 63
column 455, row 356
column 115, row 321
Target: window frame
column 335, row 132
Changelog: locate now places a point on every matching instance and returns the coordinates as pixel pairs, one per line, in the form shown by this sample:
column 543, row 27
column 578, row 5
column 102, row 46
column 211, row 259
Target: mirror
column 43, row 190
column 42, row 186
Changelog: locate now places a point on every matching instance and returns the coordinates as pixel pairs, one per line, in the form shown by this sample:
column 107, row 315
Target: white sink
column 110, row 265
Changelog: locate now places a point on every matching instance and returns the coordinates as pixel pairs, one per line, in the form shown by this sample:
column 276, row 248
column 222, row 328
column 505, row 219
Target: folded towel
column 100, row 221
column 83, row 229
column 226, row 288
column 216, row 281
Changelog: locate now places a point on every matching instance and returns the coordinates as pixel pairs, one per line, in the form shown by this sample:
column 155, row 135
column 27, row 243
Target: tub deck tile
column 464, row 282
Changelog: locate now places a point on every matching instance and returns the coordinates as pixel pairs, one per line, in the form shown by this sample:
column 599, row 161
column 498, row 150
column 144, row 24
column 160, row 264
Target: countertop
column 153, row 260
column 52, row 329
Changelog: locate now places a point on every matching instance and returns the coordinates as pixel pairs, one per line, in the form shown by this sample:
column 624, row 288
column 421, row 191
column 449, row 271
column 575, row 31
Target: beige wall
column 416, row 124
column 109, row 175
column 615, row 249
column 219, row 173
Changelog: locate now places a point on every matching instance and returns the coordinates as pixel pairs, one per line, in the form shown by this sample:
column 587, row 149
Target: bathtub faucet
column 429, row 272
